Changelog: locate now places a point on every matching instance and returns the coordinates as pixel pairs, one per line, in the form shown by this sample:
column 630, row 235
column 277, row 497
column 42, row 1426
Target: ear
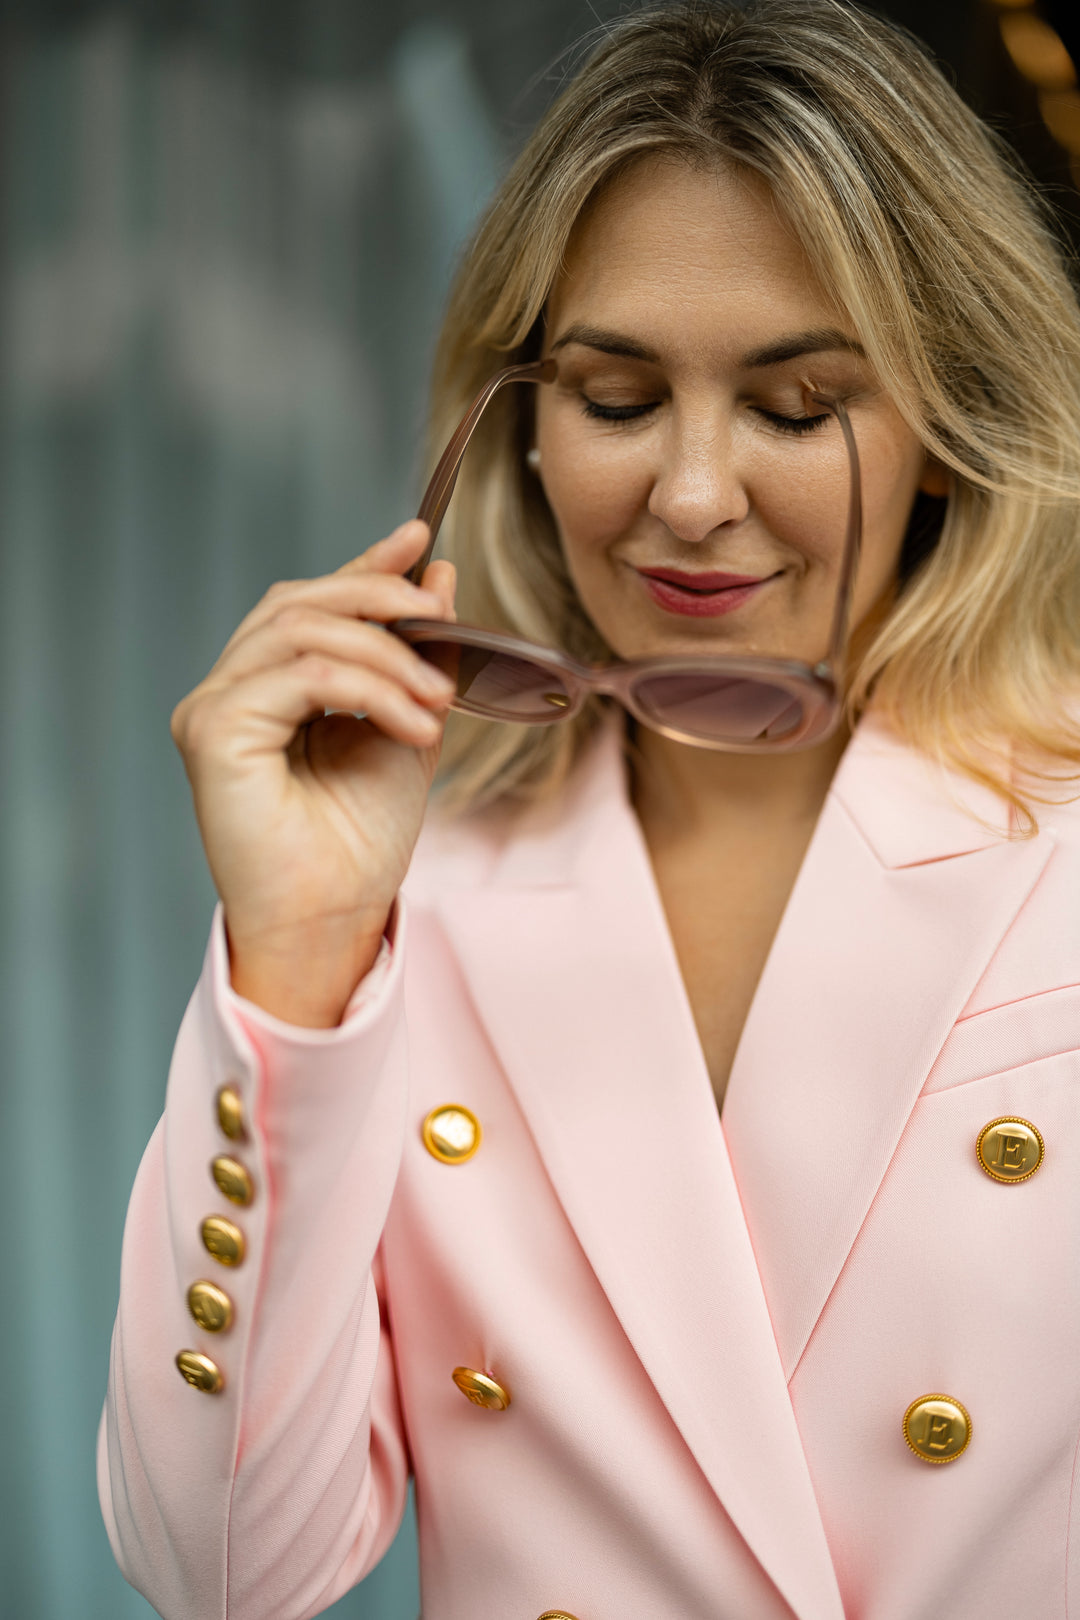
column 936, row 478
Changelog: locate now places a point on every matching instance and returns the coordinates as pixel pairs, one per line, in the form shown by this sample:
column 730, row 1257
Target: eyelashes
column 796, row 425
column 614, row 413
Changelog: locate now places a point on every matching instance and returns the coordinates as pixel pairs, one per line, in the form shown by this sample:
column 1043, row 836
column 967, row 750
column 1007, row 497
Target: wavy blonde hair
column 947, row 265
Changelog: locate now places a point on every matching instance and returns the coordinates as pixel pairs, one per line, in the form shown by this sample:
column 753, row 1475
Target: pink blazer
column 710, row 1333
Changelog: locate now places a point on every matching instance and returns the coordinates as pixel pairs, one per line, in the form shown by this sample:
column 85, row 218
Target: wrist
column 305, row 977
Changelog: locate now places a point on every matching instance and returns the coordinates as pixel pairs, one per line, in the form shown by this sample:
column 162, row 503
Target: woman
column 680, row 1182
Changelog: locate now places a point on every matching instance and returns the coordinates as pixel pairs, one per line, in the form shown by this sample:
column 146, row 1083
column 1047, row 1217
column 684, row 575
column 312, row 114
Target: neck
column 683, row 792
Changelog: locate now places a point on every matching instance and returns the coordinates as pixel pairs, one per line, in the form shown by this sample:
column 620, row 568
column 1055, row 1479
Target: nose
column 698, row 487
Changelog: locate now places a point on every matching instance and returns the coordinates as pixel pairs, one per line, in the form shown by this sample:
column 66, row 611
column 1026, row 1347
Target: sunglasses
column 737, row 704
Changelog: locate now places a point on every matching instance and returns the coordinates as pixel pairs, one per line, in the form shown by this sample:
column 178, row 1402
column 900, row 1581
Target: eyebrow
column 814, row 341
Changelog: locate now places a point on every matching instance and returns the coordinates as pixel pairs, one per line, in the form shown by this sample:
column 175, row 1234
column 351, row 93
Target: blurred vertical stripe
column 219, row 289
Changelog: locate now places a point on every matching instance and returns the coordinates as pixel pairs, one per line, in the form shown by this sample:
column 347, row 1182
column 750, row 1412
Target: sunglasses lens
column 499, row 685
column 720, row 708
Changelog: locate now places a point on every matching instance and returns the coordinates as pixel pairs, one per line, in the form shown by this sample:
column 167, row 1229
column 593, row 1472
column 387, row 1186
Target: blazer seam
column 1069, row 1517
column 1016, row 1001
column 995, row 1074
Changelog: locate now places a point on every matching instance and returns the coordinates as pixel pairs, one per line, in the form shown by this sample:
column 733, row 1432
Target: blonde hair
column 946, row 264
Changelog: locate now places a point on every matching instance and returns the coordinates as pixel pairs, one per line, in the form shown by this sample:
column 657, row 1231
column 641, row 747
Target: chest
column 723, row 910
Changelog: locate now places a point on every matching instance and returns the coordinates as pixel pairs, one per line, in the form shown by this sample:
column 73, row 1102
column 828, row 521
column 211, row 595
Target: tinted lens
column 499, row 685
column 720, row 708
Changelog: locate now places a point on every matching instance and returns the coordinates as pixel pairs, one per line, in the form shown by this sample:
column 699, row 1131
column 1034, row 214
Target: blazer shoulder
column 1040, row 951
column 1062, row 818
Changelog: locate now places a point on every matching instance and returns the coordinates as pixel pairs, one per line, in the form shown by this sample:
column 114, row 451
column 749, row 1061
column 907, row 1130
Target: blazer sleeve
column 269, row 1498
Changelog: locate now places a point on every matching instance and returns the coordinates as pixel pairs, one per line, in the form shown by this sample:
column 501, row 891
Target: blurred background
column 227, row 229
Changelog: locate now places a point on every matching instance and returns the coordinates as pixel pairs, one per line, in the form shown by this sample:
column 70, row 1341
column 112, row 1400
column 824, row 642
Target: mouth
column 702, row 595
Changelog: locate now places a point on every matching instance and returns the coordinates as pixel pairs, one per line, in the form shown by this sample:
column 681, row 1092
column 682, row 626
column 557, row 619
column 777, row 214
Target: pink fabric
column 710, row 1333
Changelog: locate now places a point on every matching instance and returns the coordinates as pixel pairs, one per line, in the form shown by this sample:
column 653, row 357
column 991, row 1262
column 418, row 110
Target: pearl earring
column 532, row 458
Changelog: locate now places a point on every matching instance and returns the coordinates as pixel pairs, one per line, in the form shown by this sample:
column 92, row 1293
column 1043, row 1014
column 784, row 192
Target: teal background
column 226, row 230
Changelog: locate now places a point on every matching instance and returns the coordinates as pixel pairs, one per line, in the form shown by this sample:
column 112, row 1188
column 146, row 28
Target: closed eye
column 794, row 424
column 615, row 413
column 630, row 413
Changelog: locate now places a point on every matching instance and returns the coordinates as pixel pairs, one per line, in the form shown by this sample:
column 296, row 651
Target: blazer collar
column 909, row 885
column 717, row 1247
column 909, row 809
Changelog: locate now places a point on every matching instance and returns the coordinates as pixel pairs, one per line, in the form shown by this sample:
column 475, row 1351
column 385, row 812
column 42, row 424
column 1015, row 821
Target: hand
column 309, row 820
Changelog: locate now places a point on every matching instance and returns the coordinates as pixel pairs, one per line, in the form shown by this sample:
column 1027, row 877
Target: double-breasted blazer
column 709, row 1329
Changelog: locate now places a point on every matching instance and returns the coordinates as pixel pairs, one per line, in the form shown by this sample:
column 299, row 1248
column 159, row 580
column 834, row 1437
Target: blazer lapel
column 572, row 969
column 901, row 901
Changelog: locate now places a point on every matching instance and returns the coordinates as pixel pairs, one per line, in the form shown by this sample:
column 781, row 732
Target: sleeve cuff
column 369, row 993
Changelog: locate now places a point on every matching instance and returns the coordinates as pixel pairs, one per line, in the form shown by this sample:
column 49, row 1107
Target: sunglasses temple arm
column 852, row 542
column 437, row 495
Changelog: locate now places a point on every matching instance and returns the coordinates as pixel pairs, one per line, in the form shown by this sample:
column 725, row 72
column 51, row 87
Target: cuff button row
column 223, row 1240
column 210, row 1306
column 233, row 1179
column 230, row 1114
column 200, row 1372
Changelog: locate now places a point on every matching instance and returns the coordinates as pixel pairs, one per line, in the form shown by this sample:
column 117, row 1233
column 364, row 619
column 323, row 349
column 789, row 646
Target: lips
column 701, row 582
column 705, row 595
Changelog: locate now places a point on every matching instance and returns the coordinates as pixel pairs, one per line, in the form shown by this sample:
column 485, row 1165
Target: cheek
column 815, row 529
column 595, row 490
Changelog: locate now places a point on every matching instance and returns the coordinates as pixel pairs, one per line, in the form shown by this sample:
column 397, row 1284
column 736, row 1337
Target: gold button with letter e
column 223, row 1240
column 937, row 1428
column 230, row 1113
column 452, row 1133
column 200, row 1372
column 210, row 1306
column 480, row 1389
column 1010, row 1149
column 233, row 1179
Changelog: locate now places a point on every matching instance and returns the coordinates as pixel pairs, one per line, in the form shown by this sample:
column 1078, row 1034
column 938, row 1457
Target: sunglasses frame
column 816, row 687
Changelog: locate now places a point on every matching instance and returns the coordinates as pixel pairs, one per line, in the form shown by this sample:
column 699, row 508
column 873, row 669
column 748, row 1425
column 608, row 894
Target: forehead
column 685, row 255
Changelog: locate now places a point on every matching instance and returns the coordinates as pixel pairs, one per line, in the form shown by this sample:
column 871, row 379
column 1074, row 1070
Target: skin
column 309, row 821
column 675, row 283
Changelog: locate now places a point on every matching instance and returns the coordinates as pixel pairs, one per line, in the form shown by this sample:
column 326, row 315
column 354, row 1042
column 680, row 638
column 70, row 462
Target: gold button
column 210, row 1306
column 557, row 1614
column 937, row 1428
column 480, row 1389
column 223, row 1240
column 230, row 1113
column 452, row 1133
column 233, row 1180
column 1009, row 1149
column 200, row 1372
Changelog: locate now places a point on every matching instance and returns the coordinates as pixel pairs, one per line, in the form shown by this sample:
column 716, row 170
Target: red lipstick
column 701, row 582
column 700, row 595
